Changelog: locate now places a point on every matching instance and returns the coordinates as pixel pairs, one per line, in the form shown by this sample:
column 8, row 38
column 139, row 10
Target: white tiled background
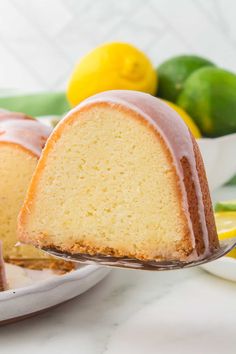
column 40, row 40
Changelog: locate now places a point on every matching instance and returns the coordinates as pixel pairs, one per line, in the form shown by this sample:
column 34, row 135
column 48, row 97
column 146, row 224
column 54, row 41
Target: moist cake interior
column 16, row 169
column 109, row 186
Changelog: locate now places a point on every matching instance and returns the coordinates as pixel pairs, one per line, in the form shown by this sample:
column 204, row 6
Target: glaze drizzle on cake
column 27, row 132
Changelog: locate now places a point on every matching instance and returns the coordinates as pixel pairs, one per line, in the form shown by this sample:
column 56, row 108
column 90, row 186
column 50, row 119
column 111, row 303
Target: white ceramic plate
column 44, row 291
column 219, row 159
column 224, row 267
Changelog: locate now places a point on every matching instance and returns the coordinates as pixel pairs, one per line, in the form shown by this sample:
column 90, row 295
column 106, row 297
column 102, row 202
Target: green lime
column 174, row 72
column 229, row 205
column 209, row 97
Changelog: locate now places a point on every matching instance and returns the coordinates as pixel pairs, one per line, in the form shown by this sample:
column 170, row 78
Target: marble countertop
column 132, row 312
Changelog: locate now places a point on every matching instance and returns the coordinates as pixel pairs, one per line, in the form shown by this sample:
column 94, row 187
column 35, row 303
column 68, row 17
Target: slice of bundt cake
column 121, row 175
column 21, row 141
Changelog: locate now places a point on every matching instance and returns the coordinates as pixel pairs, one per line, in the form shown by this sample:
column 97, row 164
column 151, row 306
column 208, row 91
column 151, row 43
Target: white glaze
column 25, row 131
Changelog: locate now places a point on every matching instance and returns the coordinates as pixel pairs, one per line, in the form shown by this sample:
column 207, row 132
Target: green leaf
column 38, row 104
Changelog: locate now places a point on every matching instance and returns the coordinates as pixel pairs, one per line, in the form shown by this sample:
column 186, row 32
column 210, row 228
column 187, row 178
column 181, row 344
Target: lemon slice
column 226, row 227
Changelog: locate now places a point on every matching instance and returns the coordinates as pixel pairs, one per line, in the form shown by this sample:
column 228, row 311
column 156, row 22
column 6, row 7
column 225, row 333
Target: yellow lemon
column 186, row 118
column 111, row 66
column 226, row 227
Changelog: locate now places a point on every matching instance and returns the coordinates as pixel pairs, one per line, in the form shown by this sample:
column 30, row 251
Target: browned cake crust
column 209, row 214
column 193, row 202
column 2, row 283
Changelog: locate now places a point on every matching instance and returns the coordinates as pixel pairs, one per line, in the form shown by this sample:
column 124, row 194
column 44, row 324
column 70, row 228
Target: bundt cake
column 121, row 176
column 3, row 282
column 21, row 141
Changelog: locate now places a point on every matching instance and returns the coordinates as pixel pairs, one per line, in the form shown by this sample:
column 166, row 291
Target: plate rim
column 227, row 264
column 50, row 283
column 224, row 259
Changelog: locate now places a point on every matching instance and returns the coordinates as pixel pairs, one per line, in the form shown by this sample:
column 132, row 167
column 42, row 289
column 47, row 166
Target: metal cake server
column 109, row 261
